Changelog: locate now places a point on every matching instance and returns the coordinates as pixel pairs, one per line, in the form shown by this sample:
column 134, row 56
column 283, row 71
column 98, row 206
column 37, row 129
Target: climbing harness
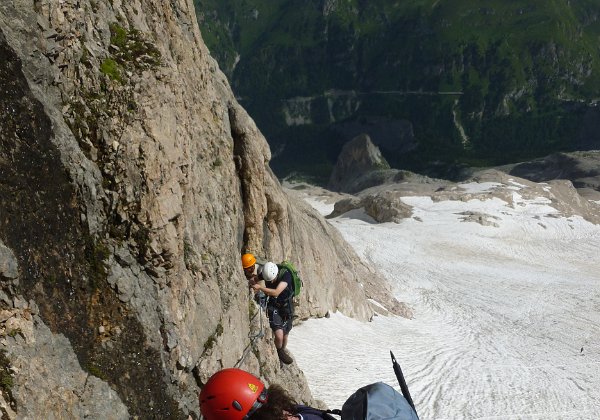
column 262, row 303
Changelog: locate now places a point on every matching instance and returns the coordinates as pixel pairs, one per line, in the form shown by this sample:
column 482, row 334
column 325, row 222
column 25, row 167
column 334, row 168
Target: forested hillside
column 435, row 83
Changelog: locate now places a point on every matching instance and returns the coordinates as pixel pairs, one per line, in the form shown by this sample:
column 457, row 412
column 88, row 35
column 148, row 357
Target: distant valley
column 436, row 85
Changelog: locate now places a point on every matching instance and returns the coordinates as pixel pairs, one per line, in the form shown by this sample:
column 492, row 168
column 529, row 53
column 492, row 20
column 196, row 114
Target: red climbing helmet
column 231, row 394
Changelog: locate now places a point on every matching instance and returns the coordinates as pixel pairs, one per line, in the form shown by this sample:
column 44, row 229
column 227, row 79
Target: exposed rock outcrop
column 382, row 207
column 359, row 164
column 561, row 194
column 384, row 203
column 581, row 168
column 131, row 182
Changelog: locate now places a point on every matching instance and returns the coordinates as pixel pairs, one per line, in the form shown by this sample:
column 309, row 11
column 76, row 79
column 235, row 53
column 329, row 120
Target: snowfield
column 506, row 315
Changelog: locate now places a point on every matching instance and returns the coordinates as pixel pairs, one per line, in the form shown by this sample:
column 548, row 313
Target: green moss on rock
column 110, row 68
column 213, row 338
column 6, row 379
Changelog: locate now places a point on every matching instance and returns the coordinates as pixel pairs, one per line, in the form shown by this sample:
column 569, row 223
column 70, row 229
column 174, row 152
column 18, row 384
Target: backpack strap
column 328, row 416
column 286, row 307
column 282, row 269
column 310, row 412
column 281, row 272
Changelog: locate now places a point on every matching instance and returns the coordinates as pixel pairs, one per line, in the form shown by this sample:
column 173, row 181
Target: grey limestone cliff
column 130, row 182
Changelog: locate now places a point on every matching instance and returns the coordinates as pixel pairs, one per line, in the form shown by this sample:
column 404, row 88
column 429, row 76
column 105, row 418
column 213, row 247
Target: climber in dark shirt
column 280, row 308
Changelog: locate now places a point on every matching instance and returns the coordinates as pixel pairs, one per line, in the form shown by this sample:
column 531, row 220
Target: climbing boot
column 284, row 357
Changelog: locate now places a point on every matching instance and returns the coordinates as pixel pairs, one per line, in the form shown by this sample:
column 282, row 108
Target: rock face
column 384, row 203
column 359, row 159
column 382, row 207
column 581, row 168
column 132, row 180
column 561, row 193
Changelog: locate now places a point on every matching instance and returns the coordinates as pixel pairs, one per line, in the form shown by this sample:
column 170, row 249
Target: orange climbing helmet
column 232, row 394
column 248, row 260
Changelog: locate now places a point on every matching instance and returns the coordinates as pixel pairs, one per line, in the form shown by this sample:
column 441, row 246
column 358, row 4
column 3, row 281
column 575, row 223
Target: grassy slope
column 516, row 62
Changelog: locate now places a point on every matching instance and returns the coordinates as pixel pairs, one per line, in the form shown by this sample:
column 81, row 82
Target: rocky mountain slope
column 130, row 182
column 369, row 184
column 452, row 82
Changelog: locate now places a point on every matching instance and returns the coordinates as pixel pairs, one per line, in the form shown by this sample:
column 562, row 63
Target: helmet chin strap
column 262, row 399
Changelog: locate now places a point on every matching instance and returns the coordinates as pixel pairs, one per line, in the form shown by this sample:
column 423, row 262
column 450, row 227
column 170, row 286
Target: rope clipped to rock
column 262, row 303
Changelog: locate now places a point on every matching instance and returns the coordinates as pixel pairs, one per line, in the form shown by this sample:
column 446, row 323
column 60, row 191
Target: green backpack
column 288, row 266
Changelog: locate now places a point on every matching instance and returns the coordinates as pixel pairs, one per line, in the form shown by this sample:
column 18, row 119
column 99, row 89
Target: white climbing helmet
column 269, row 271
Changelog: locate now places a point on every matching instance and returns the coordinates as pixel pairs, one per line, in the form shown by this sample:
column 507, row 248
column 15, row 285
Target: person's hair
column 278, row 401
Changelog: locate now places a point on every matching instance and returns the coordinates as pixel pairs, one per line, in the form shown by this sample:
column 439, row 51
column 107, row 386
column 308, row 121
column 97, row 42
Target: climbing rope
column 262, row 303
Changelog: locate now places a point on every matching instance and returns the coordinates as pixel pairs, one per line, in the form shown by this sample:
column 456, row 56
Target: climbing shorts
column 277, row 322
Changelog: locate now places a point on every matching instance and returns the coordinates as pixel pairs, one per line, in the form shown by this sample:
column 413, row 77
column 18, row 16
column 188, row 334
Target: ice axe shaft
column 402, row 382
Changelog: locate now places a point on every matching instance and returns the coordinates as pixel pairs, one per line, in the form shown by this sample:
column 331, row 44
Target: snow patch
column 479, row 187
column 506, row 319
column 517, row 184
column 320, row 205
column 374, row 302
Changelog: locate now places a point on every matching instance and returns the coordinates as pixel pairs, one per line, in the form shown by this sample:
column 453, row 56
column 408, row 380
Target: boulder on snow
column 344, row 206
column 385, row 206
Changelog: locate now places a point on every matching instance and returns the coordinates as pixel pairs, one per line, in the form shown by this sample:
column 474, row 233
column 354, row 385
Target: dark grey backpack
column 377, row 401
